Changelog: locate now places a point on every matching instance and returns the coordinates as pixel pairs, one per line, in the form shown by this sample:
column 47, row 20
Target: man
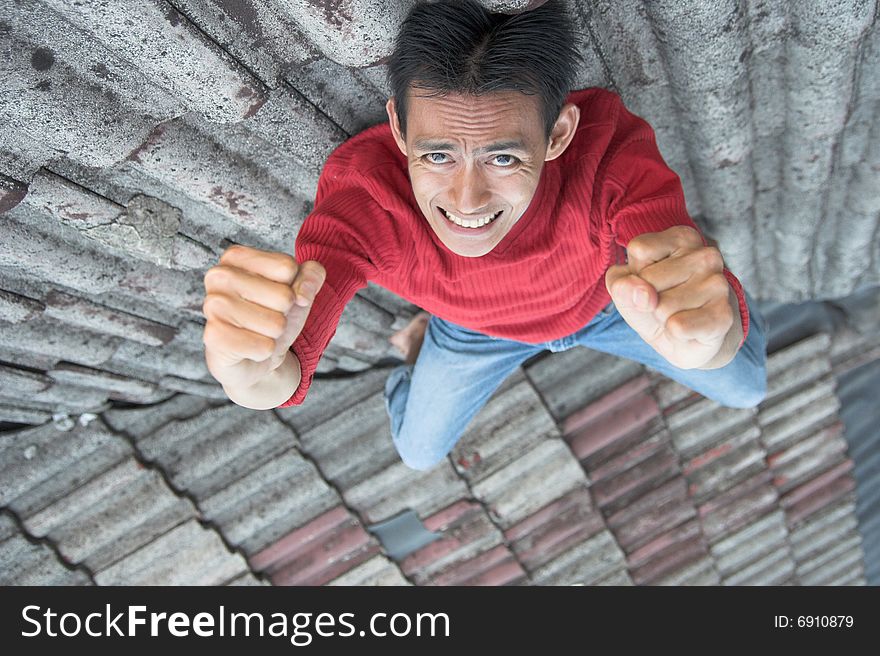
column 520, row 215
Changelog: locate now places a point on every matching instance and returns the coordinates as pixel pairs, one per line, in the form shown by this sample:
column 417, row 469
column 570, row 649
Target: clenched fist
column 256, row 304
column 673, row 293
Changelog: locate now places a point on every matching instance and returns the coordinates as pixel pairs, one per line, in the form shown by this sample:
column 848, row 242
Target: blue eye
column 510, row 160
column 431, row 159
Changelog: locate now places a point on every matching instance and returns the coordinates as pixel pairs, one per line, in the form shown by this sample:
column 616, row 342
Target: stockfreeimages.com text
column 301, row 628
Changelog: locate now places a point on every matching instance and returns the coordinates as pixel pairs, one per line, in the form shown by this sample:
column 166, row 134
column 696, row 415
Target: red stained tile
column 507, row 573
column 670, row 493
column 815, row 485
column 339, row 553
column 664, row 543
column 620, row 447
column 681, row 404
column 637, row 453
column 679, row 558
column 612, row 426
column 451, row 514
column 553, row 529
column 302, row 539
column 611, row 493
column 706, row 457
column 643, row 528
column 619, row 397
column 328, row 573
column 579, row 498
column 726, row 471
column 825, row 450
column 760, row 479
column 497, row 564
column 743, row 510
column 543, row 546
column 823, row 497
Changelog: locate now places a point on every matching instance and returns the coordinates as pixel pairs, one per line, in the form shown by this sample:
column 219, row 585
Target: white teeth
column 471, row 223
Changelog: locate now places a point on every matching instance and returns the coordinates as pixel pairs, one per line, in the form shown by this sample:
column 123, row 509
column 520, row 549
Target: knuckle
column 277, row 324
column 233, row 251
column 616, row 287
column 265, row 347
column 213, row 305
column 718, row 285
column 216, row 276
column 677, row 326
column 687, row 235
column 712, row 258
column 287, row 265
column 664, row 314
column 692, row 234
column 287, row 299
column 636, row 247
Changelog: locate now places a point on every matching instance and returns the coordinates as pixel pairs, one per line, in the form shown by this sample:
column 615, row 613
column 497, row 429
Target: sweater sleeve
column 344, row 233
column 642, row 194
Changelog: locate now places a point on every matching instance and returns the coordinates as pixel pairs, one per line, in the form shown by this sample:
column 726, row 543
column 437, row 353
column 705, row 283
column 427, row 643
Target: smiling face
column 475, row 161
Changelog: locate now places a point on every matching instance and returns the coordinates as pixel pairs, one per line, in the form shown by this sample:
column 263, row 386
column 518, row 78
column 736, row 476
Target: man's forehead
column 508, row 116
column 428, row 99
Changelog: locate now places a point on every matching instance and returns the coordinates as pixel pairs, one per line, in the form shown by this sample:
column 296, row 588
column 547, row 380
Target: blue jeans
column 431, row 403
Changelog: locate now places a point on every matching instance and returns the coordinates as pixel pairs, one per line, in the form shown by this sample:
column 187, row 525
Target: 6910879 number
column 814, row 621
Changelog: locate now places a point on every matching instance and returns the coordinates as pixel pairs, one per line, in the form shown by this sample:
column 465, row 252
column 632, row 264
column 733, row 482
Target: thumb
column 629, row 291
column 309, row 279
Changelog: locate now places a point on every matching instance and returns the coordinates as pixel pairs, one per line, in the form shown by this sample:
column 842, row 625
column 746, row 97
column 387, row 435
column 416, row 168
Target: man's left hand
column 673, row 293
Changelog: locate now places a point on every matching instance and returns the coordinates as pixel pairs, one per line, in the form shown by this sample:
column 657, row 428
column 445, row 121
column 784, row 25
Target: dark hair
column 459, row 46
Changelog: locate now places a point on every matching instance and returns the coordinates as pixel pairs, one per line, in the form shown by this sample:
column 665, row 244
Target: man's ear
column 391, row 108
column 563, row 130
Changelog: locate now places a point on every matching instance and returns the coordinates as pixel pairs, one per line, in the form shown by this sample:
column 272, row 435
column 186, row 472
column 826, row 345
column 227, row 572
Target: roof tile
column 277, row 496
column 317, row 552
column 212, row 450
column 513, row 493
column 512, row 422
column 586, row 563
column 41, row 465
column 25, row 563
column 555, row 528
column 205, row 78
column 561, row 381
column 495, row 567
column 110, row 515
column 465, row 530
column 378, row 570
column 186, row 555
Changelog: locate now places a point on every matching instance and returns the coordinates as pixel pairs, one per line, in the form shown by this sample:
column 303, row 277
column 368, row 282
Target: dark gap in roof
column 337, row 374
column 403, row 534
column 6, row 426
column 129, row 405
column 790, row 323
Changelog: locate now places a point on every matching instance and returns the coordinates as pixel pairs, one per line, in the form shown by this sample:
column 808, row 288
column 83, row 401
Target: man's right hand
column 256, row 304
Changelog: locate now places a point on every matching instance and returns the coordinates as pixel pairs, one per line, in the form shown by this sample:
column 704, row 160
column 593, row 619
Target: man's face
column 475, row 162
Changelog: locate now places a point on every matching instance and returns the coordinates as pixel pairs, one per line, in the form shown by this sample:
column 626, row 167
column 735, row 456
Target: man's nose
column 470, row 192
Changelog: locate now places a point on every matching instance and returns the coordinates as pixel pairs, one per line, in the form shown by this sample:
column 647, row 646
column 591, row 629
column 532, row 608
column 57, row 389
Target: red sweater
column 544, row 280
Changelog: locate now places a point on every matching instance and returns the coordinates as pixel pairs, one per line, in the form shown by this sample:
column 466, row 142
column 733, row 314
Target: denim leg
column 431, row 403
column 742, row 383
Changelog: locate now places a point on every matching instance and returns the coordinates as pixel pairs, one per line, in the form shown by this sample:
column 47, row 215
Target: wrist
column 272, row 390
